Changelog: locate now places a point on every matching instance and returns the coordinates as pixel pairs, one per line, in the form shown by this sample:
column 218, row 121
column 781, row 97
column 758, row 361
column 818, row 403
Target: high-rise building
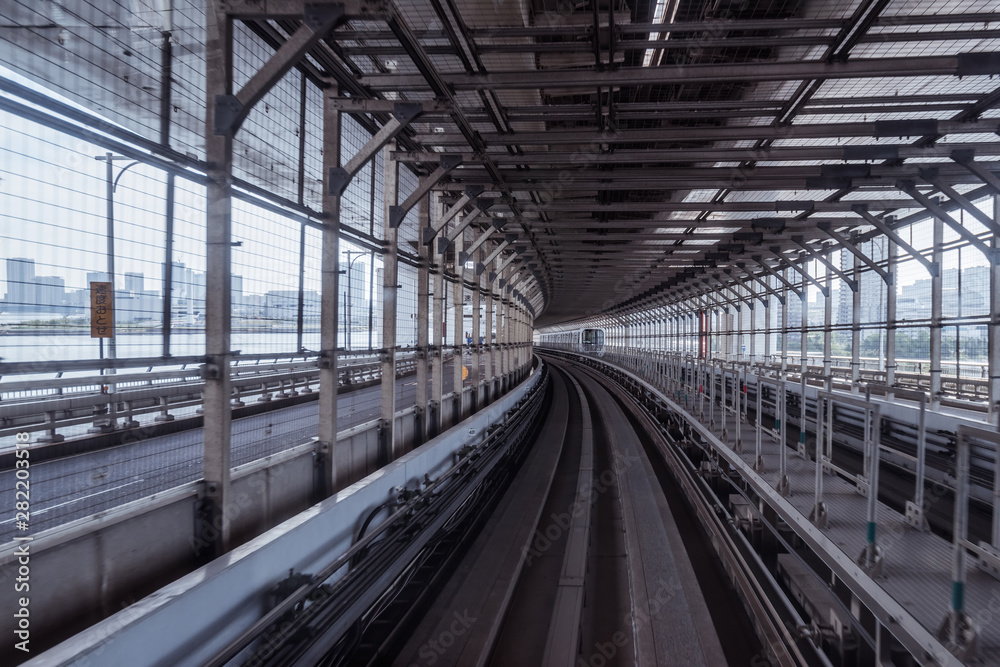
column 50, row 293
column 20, row 283
column 237, row 291
column 134, row 282
column 96, row 277
column 357, row 286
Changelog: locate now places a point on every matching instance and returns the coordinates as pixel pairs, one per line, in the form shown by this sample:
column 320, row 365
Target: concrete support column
column 739, row 326
column 488, row 366
column 767, row 330
column 828, row 331
column 437, row 321
column 458, row 292
column 804, row 365
column 804, row 335
column 856, row 329
column 503, row 337
column 936, row 299
column 890, row 318
column 498, row 368
column 423, row 313
column 390, row 268
column 682, row 331
column 213, row 524
column 509, row 338
column 993, row 332
column 784, row 332
column 477, row 312
column 328, row 455
column 516, row 342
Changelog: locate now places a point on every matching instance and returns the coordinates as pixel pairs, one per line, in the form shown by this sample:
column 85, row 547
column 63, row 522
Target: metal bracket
column 326, row 360
column 319, row 14
column 405, row 112
column 973, row 64
column 449, row 162
column 427, row 235
column 871, row 152
column 396, row 216
column 211, row 370
column 228, row 109
column 906, row 128
column 338, row 180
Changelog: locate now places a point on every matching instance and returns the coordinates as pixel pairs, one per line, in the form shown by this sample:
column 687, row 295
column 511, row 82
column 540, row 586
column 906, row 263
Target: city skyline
column 33, row 294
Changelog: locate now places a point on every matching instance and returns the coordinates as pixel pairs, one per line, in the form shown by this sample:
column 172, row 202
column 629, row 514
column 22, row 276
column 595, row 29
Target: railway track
column 591, row 556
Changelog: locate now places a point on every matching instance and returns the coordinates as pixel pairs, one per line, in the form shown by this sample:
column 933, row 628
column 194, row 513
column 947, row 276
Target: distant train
column 576, row 340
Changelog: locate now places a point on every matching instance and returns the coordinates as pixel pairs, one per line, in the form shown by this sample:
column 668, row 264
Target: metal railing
column 169, row 388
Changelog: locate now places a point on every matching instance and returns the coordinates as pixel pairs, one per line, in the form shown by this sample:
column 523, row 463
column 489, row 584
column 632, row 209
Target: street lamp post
column 112, row 186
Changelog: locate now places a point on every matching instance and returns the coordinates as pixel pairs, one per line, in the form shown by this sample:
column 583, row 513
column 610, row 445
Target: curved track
column 592, row 557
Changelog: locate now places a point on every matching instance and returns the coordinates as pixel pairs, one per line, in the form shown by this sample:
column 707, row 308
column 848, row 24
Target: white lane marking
column 76, row 500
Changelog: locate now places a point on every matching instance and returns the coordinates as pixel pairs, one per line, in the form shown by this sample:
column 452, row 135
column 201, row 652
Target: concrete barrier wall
column 88, row 569
column 208, row 607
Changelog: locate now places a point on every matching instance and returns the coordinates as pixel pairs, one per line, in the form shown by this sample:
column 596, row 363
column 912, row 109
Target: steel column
column 477, row 311
column 784, row 333
column 423, row 308
column 827, row 336
column 890, row 319
column 215, row 527
column 327, row 454
column 488, row 394
column 936, row 301
column 458, row 333
column 856, row 331
column 437, row 321
column 993, row 332
column 390, row 269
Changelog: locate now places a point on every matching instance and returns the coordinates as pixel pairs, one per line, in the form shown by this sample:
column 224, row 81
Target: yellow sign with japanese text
column 102, row 310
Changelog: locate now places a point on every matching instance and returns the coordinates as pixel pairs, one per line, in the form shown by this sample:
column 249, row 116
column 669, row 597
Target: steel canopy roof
column 634, row 145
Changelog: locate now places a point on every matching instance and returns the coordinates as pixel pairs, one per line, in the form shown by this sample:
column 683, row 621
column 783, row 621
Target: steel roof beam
column 909, row 187
column 764, row 265
column 705, row 154
column 589, row 137
column 435, row 227
column 950, row 65
column 932, row 176
column 745, row 283
column 818, row 256
column 737, row 206
column 397, row 213
column 882, row 227
column 856, row 251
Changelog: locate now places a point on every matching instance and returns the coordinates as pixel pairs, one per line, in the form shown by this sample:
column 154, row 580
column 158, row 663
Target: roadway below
column 81, row 485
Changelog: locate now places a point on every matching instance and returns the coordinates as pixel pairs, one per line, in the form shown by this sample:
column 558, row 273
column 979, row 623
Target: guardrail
column 53, row 404
column 970, row 393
